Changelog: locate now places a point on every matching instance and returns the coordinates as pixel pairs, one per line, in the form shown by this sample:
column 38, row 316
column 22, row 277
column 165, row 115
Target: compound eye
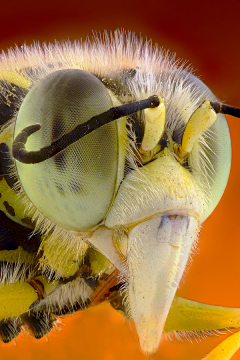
column 210, row 158
column 73, row 189
column 211, row 162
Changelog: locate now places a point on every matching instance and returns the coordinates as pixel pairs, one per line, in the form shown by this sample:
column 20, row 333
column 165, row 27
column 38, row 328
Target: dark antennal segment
column 226, row 109
column 33, row 157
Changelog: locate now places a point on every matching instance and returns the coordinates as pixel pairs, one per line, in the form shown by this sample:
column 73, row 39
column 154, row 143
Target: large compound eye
column 210, row 159
column 73, row 189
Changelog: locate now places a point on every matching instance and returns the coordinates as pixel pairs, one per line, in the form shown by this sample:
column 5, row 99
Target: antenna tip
column 154, row 101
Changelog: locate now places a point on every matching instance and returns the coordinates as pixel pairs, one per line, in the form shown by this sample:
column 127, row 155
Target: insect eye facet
column 65, row 187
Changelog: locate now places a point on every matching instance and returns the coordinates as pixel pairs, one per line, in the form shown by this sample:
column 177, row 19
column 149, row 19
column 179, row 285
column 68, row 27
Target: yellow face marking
column 63, row 259
column 154, row 126
column 201, row 120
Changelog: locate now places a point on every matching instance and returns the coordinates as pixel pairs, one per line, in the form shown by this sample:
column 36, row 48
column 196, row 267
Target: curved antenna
column 225, row 109
column 20, row 153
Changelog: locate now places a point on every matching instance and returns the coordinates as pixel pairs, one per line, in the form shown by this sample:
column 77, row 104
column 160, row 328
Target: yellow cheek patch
column 200, row 121
column 61, row 256
column 15, row 78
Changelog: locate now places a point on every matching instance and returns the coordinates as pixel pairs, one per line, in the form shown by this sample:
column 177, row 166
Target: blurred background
column 206, row 34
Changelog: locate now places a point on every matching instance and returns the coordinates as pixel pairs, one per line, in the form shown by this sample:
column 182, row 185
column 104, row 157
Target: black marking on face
column 10, row 210
column 177, row 135
column 13, row 235
column 10, row 101
column 6, row 164
column 28, row 221
column 164, row 140
column 186, row 164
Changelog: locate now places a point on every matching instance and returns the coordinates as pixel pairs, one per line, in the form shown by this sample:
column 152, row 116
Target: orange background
column 206, row 33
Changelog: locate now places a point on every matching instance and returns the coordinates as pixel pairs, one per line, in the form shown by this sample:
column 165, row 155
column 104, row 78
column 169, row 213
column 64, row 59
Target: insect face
column 119, row 156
